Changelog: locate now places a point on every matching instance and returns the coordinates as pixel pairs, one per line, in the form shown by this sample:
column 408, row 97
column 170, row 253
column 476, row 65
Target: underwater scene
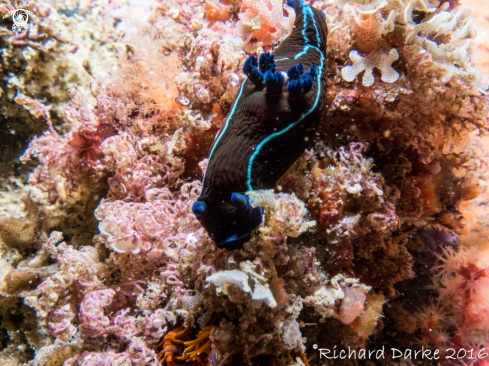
column 244, row 182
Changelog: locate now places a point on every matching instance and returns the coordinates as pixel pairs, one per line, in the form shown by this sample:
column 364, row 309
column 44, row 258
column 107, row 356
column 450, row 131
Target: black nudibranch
column 268, row 128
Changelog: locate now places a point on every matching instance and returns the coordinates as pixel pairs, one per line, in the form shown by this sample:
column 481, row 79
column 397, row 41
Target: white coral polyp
column 381, row 60
column 235, row 277
column 455, row 56
column 287, row 215
column 260, row 291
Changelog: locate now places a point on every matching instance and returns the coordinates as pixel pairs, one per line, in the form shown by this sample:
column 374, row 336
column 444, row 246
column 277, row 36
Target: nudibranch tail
column 268, row 128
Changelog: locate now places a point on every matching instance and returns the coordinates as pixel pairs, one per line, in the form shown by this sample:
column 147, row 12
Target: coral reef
column 262, row 23
column 375, row 237
column 58, row 49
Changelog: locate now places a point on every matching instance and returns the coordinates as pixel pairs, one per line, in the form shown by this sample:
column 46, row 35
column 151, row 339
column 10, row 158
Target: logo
column 20, row 16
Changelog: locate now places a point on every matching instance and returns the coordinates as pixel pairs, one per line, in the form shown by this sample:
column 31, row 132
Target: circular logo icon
column 21, row 18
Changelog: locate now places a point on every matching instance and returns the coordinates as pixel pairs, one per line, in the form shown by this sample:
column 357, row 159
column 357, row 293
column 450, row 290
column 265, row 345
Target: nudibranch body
column 268, row 128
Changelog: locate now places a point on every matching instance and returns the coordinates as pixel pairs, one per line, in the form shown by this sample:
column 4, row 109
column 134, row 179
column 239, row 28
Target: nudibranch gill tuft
column 268, row 128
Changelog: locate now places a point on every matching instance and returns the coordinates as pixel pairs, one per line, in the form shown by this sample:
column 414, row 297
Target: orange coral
column 263, row 22
column 195, row 351
column 198, row 349
column 217, row 12
column 428, row 193
column 167, row 354
column 278, row 291
column 471, row 188
column 431, row 320
column 459, row 319
column 302, row 356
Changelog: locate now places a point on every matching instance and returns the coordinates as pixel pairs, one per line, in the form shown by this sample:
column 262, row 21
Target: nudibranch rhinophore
column 270, row 125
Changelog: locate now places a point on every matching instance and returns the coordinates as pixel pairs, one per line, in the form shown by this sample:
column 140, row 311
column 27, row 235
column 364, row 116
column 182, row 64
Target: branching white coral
column 234, row 277
column 379, row 54
column 447, row 37
column 260, row 291
column 377, row 59
column 404, row 8
column 287, row 213
column 443, row 23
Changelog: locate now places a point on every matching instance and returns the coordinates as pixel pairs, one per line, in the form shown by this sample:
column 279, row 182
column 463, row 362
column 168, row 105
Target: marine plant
column 374, row 235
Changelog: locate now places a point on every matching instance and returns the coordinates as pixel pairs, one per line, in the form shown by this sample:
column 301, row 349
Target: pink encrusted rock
column 159, row 105
column 71, row 157
column 156, row 324
column 137, row 354
column 141, row 355
column 125, row 326
column 352, row 304
column 109, row 358
column 59, row 323
column 92, row 314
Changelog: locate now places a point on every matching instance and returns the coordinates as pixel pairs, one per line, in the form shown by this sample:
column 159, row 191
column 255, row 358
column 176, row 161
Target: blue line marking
column 306, row 49
column 306, row 11
column 225, row 126
column 318, row 38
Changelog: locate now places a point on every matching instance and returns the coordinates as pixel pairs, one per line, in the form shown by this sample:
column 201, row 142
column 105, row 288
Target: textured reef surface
column 377, row 237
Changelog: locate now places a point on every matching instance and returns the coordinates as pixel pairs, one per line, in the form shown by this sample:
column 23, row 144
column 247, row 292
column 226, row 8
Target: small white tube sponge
column 235, row 277
column 379, row 59
column 369, row 32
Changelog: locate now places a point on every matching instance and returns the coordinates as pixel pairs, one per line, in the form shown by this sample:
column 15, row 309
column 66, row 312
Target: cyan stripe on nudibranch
column 226, row 123
column 267, row 129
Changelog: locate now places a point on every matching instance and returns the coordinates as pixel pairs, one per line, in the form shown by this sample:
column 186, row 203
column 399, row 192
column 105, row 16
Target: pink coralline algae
column 137, row 354
column 92, row 317
column 154, row 227
column 376, row 235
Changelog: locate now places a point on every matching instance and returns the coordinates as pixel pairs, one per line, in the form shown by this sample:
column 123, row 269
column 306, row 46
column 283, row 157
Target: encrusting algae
column 375, row 238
